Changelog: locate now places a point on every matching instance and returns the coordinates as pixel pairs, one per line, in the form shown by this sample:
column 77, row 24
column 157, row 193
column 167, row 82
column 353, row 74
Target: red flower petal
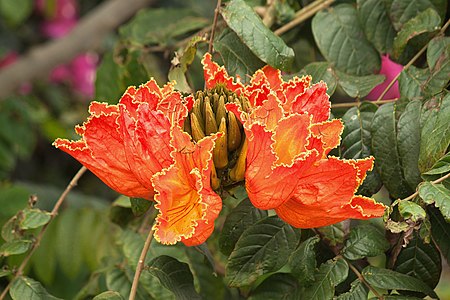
column 313, row 101
column 215, row 74
column 328, row 134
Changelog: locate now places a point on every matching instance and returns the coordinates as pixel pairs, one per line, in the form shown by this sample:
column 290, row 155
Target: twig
column 362, row 279
column 213, row 29
column 304, row 14
column 351, row 104
column 413, row 60
column 140, row 264
column 439, row 180
column 87, row 35
column 53, row 214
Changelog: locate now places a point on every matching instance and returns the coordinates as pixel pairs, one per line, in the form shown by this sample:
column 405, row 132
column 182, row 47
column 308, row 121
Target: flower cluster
column 139, row 149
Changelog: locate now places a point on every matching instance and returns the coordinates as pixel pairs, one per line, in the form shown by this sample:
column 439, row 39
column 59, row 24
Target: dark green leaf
column 303, row 260
column 435, row 137
column 329, row 275
column 403, row 10
column 139, row 206
column 34, row 218
column 335, row 234
column 120, row 278
column 438, row 59
column 357, row 291
column 438, row 194
column 408, row 138
column 108, row 295
column 358, row 86
column 341, row 40
column 391, row 280
column 264, row 247
column 356, row 142
column 442, row 166
column 27, row 288
column 175, row 276
column 238, row 220
column 15, row 247
column 378, row 28
column 161, row 25
column 411, row 81
column 386, row 152
column 426, row 21
column 44, row 260
column 108, row 84
column 5, row 272
column 270, row 48
column 276, row 286
column 365, row 240
column 15, row 11
column 420, row 260
column 440, row 231
column 411, row 210
column 322, row 71
column 237, row 57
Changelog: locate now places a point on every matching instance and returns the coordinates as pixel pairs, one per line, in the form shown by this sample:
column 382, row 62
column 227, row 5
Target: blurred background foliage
column 93, row 244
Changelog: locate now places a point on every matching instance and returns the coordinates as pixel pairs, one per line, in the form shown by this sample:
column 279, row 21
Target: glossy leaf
column 268, row 47
column 420, row 260
column 15, row 247
column 391, row 280
column 438, row 194
column 440, row 230
column 435, row 137
column 365, row 240
column 357, row 291
column 174, row 275
column 276, row 286
column 34, row 218
column 108, row 295
column 386, row 152
column 356, row 142
column 238, row 220
column 322, row 71
column 237, row 57
column 410, row 83
column 27, row 288
column 442, row 166
column 426, row 21
column 377, row 25
column 303, row 260
column 329, row 275
column 358, row 86
column 340, row 38
column 262, row 248
column 411, row 210
column 408, row 138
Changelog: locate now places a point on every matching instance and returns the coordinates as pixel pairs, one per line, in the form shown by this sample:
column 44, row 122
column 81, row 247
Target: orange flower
column 138, row 148
column 289, row 138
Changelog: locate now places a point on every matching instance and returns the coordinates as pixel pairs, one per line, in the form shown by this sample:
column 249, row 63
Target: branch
column 53, row 214
column 213, row 29
column 351, row 104
column 362, row 279
column 439, row 180
column 87, row 35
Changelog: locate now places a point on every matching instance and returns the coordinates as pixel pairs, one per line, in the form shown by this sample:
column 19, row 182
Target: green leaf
column 322, row 71
column 238, row 220
column 408, row 138
column 440, row 230
column 303, row 260
column 391, row 280
column 442, row 166
column 438, row 59
column 15, row 247
column 139, row 206
column 108, row 295
column 411, row 210
column 34, row 218
column 27, row 288
column 378, row 28
column 44, row 260
column 426, row 21
column 276, row 286
column 329, row 275
column 411, row 81
column 386, row 152
column 270, row 48
column 358, row 86
column 5, row 272
column 262, row 248
column 174, row 275
column 438, row 194
column 341, row 40
column 420, row 260
column 120, row 278
column 356, row 142
column 435, row 137
column 237, row 57
column 403, row 10
column 108, row 83
column 15, row 11
column 334, row 234
column 357, row 291
column 161, row 25
column 365, row 240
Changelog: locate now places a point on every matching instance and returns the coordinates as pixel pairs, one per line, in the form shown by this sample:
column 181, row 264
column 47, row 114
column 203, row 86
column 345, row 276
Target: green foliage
column 437, row 194
column 358, row 86
column 108, row 295
column 277, row 286
column 15, row 12
column 303, row 260
column 27, row 288
column 15, row 247
column 322, row 71
column 365, row 241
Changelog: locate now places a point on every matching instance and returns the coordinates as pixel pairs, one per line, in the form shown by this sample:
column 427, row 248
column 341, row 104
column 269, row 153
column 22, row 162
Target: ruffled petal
column 215, row 74
column 329, row 135
column 269, row 113
column 313, row 101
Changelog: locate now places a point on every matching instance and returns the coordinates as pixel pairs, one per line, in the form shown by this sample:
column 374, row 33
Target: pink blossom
column 60, row 17
column 389, row 69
